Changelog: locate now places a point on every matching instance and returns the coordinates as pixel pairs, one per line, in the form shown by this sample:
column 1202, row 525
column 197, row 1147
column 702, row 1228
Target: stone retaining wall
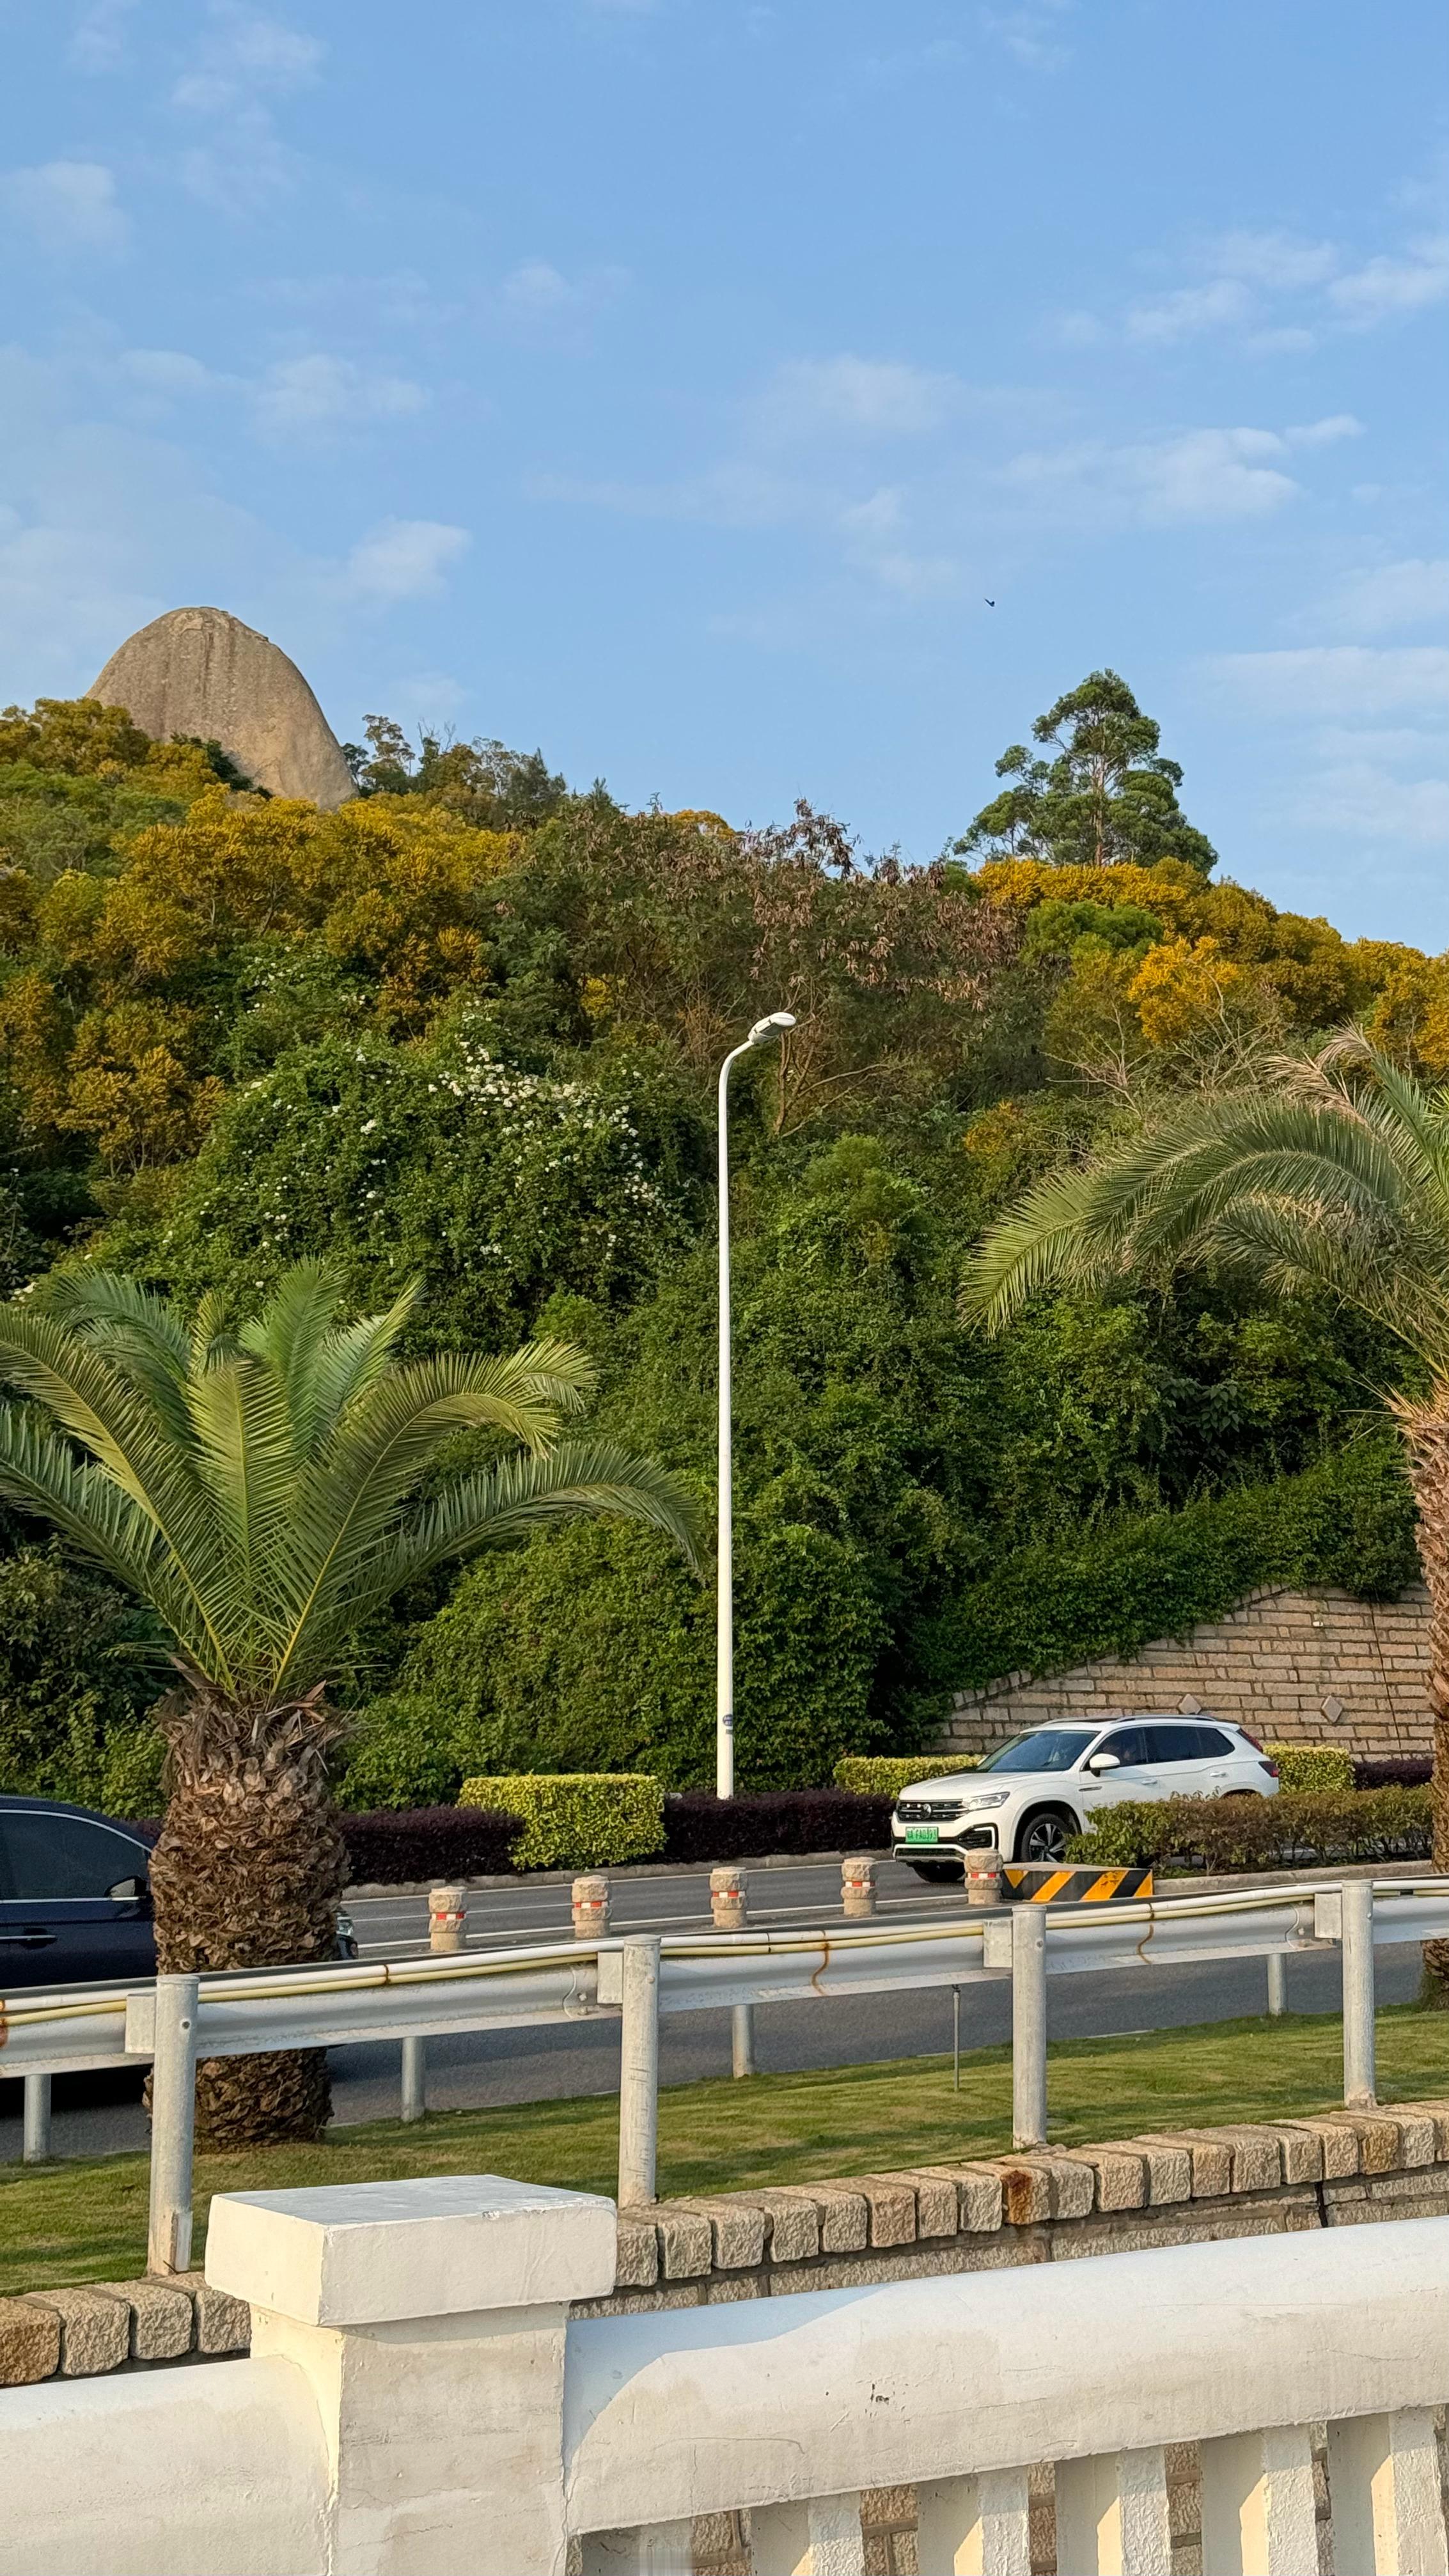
column 1337, row 2169
column 1314, row 1667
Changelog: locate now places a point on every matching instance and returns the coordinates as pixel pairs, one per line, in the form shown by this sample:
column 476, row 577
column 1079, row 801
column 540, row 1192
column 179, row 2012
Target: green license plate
column 922, row 1834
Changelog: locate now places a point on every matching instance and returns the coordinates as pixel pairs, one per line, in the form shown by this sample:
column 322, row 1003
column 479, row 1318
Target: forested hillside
column 468, row 1027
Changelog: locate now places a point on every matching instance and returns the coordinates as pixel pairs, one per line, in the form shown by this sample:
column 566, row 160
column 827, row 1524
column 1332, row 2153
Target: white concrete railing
column 417, row 2399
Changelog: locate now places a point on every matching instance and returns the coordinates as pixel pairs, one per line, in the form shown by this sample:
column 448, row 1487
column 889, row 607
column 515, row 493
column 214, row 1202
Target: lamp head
column 773, row 1027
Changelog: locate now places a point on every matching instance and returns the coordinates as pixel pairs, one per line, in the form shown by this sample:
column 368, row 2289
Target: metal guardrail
column 49, row 2031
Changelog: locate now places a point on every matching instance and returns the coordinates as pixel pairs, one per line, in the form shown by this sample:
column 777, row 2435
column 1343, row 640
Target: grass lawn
column 86, row 2221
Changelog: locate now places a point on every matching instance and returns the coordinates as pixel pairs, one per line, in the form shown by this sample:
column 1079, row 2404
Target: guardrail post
column 414, row 2079
column 857, row 1887
column 1277, row 1983
column 638, row 2070
column 173, row 2124
column 1028, row 2026
column 35, row 2145
column 1359, row 2084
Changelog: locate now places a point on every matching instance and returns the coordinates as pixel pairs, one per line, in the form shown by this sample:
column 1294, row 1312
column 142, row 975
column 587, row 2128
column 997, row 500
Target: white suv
column 1030, row 1794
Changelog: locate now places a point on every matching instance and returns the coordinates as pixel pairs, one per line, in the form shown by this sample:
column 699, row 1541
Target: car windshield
column 1047, row 1748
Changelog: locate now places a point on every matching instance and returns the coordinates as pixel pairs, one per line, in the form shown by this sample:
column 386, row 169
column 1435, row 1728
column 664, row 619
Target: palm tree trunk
column 1426, row 1431
column 247, row 1874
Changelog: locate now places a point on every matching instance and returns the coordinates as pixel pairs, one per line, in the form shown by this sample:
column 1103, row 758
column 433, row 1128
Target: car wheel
column 1043, row 1837
column 936, row 1869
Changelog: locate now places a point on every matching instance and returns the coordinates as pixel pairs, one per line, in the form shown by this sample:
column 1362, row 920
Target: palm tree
column 259, row 1489
column 1331, row 1171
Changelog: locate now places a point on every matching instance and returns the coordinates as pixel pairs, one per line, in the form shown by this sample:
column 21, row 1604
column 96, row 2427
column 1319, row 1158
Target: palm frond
column 503, row 1504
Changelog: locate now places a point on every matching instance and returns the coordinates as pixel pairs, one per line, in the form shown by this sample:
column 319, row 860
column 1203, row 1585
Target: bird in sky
column 990, row 603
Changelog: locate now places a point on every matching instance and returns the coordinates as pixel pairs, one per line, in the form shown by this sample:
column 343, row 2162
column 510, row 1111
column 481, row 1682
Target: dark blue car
column 75, row 1897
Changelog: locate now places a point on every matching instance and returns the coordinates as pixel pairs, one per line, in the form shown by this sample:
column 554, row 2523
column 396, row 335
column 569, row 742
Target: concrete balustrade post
column 1112, row 2517
column 857, row 1887
column 591, row 1907
column 428, row 2321
column 1258, row 2509
column 448, row 1919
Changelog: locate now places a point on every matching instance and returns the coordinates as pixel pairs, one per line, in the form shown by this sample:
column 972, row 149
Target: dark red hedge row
column 398, row 1846
column 699, row 1827
column 1395, row 1773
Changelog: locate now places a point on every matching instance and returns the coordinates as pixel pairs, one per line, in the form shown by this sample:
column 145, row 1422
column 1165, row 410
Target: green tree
column 1107, row 795
column 1332, row 1171
column 260, row 1488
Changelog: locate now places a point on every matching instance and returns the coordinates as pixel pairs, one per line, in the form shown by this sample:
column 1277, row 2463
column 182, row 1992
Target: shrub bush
column 885, row 1775
column 392, row 1848
column 577, row 1819
column 1312, row 1766
column 1407, row 1771
column 1224, row 1834
column 400, row 1753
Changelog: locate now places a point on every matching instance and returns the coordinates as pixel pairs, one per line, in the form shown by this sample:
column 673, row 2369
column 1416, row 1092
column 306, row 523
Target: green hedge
column 576, row 1819
column 1311, row 1766
column 1261, row 1833
column 1348, row 1521
column 885, row 1775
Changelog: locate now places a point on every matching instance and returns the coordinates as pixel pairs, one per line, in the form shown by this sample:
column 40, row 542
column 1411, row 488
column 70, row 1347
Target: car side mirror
column 1103, row 1762
column 129, row 1888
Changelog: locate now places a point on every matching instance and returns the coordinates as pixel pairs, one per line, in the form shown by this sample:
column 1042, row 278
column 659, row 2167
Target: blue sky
column 671, row 384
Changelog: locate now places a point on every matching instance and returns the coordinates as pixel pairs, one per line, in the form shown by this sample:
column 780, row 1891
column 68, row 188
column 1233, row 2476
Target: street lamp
column 762, row 1034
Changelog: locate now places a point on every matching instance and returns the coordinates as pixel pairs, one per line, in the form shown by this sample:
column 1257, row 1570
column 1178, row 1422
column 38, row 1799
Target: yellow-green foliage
column 1311, row 1766
column 885, row 1775
column 576, row 1819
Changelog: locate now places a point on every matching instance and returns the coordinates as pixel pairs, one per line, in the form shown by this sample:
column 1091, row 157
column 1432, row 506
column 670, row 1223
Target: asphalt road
column 95, row 2115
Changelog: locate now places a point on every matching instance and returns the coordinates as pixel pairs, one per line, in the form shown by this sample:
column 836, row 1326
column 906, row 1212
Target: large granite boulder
column 199, row 671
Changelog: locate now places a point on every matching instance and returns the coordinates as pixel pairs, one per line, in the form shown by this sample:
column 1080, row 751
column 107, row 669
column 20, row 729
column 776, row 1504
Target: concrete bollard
column 448, row 1918
column 857, row 1887
column 983, row 1878
column 591, row 1908
column 727, row 1898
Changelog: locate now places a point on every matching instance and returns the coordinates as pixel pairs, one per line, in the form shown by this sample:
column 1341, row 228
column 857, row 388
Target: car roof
column 62, row 1807
column 1133, row 1717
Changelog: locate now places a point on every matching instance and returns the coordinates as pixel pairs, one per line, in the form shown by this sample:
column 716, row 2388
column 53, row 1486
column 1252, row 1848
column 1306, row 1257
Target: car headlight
column 988, row 1798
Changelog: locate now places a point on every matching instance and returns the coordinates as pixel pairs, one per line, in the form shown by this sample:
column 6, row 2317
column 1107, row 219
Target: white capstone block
column 445, row 2245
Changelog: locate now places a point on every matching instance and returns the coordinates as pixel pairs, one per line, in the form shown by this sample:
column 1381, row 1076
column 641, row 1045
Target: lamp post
column 762, row 1034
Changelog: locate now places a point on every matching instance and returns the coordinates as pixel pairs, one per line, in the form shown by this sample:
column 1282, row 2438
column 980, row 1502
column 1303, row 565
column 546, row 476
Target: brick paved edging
column 1335, row 2169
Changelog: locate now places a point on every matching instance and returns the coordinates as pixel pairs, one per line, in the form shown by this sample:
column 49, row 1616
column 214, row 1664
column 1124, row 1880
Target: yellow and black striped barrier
column 1046, row 1883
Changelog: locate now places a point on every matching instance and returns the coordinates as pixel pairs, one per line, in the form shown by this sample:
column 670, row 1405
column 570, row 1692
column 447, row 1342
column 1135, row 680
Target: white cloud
column 1031, row 35
column 245, row 54
column 537, row 291
column 1189, row 310
column 69, row 207
column 1201, row 474
column 99, row 41
column 404, row 559
column 1338, row 682
column 242, row 63
column 1393, row 596
column 862, row 397
column 1282, row 262
column 305, row 395
column 1359, row 797
column 1324, row 433
column 1385, row 288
